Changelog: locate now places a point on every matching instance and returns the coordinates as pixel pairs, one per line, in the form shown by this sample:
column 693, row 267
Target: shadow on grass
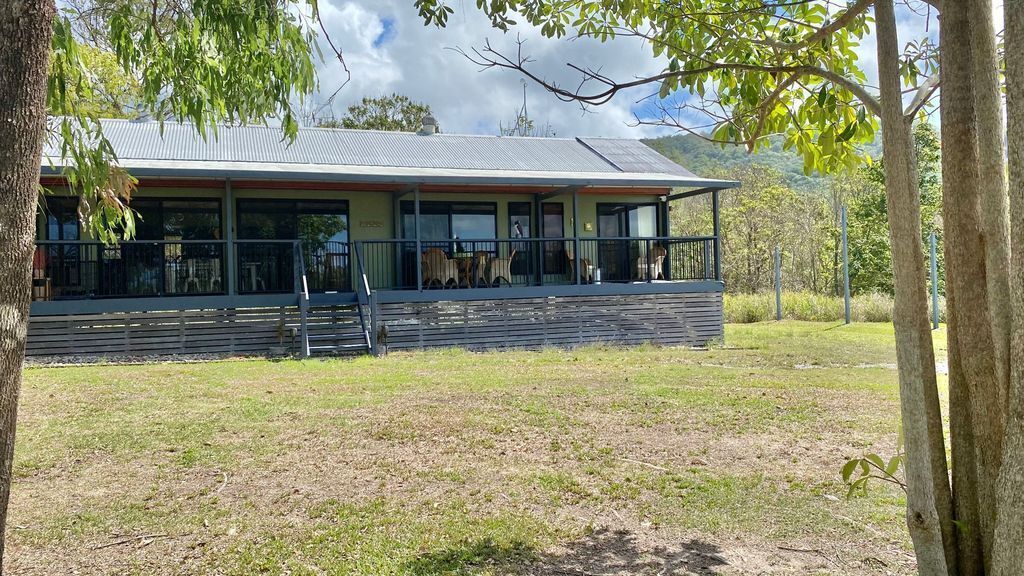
column 469, row 557
column 603, row 552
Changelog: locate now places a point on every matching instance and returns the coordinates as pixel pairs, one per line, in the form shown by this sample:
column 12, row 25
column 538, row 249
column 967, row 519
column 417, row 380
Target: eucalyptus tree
column 1009, row 536
column 202, row 61
column 755, row 68
column 394, row 113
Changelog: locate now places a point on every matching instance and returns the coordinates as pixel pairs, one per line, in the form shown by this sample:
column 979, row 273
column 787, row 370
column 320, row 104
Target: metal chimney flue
column 429, row 126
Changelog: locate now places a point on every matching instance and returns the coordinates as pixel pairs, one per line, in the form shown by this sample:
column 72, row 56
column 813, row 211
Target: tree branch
column 924, row 94
column 490, row 58
column 839, row 23
column 766, row 105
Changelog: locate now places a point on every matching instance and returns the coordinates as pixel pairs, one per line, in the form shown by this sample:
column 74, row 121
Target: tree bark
column 1008, row 556
column 995, row 204
column 965, row 471
column 25, row 30
column 929, row 501
column 973, row 372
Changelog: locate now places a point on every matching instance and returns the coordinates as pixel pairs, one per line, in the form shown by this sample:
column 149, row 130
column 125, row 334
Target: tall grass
column 746, row 308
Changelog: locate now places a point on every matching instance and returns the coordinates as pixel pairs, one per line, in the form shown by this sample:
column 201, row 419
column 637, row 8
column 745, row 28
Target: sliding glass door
column 460, row 229
column 267, row 228
column 618, row 258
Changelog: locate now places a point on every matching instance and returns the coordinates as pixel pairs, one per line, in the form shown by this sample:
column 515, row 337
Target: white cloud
column 388, row 49
column 417, row 61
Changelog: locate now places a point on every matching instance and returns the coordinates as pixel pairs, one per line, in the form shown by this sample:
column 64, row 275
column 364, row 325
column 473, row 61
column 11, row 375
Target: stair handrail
column 363, row 296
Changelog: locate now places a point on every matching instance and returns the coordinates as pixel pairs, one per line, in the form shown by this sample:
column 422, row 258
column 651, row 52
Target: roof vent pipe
column 429, row 126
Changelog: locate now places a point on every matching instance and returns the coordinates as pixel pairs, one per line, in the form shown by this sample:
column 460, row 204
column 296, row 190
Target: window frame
column 408, row 208
column 291, row 208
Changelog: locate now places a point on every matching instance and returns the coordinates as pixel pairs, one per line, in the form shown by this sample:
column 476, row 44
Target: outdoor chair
column 501, row 269
column 441, row 268
column 478, row 268
column 656, row 262
column 586, row 267
column 41, row 284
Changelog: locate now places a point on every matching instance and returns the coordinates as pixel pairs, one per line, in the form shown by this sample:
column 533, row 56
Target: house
column 353, row 240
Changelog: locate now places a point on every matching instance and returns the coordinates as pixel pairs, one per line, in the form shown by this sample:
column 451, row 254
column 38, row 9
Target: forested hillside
column 778, row 206
column 703, row 158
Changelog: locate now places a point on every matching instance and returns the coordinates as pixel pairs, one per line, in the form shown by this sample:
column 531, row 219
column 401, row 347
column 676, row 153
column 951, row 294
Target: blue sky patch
column 387, row 34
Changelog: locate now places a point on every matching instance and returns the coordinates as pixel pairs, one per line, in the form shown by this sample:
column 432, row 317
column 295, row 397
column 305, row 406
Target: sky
column 388, row 49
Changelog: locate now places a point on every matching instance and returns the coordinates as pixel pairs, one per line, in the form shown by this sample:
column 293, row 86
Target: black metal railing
column 268, row 266
column 68, row 269
column 85, row 269
column 406, row 265
column 647, row 259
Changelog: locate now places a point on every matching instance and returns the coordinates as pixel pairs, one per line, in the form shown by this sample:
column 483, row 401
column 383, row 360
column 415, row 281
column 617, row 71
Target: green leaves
column 858, row 472
column 204, row 62
column 394, row 113
column 752, row 70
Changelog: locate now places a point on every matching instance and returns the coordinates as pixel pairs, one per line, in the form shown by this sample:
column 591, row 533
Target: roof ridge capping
column 330, row 129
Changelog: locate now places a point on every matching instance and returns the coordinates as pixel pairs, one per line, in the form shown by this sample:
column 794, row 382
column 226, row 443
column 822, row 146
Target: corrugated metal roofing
column 633, row 156
column 387, row 155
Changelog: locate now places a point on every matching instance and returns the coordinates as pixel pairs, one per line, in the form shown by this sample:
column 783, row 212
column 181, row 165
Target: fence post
column 717, row 225
column 846, row 269
column 373, row 328
column 935, row 281
column 229, row 237
column 778, row 284
column 419, row 243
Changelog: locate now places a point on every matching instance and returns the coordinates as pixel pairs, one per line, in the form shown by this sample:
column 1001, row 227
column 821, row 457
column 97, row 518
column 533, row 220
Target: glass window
column 447, row 220
column 176, row 219
column 311, row 221
column 474, row 226
column 618, row 258
column 553, row 226
column 321, row 226
column 266, row 220
column 61, row 218
column 432, row 226
column 191, row 219
column 627, row 220
column 554, row 220
column 148, row 223
column 519, row 219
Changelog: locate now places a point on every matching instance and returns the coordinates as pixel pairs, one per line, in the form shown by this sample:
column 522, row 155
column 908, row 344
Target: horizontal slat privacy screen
column 688, row 319
column 691, row 319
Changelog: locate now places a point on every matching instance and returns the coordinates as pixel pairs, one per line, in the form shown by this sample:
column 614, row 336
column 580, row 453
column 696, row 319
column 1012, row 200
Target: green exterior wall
column 372, row 216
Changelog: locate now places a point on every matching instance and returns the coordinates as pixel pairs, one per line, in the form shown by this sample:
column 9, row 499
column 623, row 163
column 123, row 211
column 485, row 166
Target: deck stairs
column 337, row 330
column 331, row 329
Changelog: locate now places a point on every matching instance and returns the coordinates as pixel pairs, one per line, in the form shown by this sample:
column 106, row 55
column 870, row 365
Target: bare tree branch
column 924, row 94
column 488, row 57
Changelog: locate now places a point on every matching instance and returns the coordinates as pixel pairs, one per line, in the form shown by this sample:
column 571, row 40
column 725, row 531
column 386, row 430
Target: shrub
column 875, row 307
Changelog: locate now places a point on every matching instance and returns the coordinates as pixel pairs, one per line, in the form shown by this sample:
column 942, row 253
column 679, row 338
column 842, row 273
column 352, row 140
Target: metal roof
column 327, row 154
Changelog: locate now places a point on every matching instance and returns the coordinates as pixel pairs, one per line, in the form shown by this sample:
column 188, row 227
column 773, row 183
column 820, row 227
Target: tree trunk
column 25, row 30
column 965, row 470
column 929, row 502
column 992, row 180
column 1008, row 555
column 973, row 373
column 975, row 545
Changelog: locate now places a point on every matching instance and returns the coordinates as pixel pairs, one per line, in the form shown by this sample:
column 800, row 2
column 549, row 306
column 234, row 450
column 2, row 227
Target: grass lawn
column 592, row 461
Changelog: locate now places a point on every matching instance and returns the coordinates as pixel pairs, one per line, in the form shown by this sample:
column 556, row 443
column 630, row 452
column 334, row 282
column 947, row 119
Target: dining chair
column 501, row 269
column 442, row 269
column 586, row 268
column 657, row 263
